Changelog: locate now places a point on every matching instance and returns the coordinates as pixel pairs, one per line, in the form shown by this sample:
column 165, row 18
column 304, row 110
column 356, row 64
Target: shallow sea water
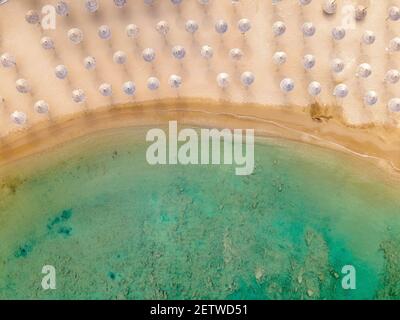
column 115, row 227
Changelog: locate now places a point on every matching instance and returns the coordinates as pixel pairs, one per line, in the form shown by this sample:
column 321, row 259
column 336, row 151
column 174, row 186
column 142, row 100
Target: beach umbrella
column 104, row 32
column 19, row 117
column 360, row 13
column 368, row 37
column 191, row 26
column 364, row 70
column 337, row 65
column 153, row 83
column 132, row 30
column 394, row 13
column 162, row 27
column 89, row 63
column 149, row 2
column 309, row 61
column 148, row 54
column 119, row 57
column 223, row 80
column 329, row 6
column 341, row 91
column 92, row 5
column 287, row 85
column 279, row 57
column 314, row 88
column 338, row 33
column 370, row 98
column 7, row 60
column 394, row 105
column 308, row 29
column 247, row 78
column 394, row 45
column 47, row 43
column 105, row 90
column 221, row 26
column 22, row 86
column 61, row 71
column 278, row 28
column 62, row 8
column 41, row 107
column 304, row 2
column 129, row 88
column 244, row 25
column 207, row 52
column 120, row 3
column 236, row 54
column 392, row 76
column 75, row 35
column 176, row 2
column 175, row 81
column 203, row 2
column 78, row 96
column 178, row 52
column 32, row 17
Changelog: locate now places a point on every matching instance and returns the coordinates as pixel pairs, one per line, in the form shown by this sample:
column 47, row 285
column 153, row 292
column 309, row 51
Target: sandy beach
column 372, row 132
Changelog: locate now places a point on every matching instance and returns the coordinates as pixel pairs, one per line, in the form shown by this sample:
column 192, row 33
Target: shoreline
column 377, row 144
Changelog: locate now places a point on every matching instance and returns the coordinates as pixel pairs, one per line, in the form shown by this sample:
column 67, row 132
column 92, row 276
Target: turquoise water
column 116, row 228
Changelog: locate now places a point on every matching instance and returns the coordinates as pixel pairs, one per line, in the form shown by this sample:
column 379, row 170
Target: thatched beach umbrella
column 394, row 45
column 287, row 85
column 153, row 83
column 61, row 71
column 129, row 88
column 360, row 12
column 207, row 52
column 7, row 60
column 175, row 81
column 105, row 90
column 32, row 17
column 223, row 80
column 176, row 2
column 341, row 91
column 338, row 33
column 75, row 35
column 149, row 55
column 247, row 78
column 92, row 5
column 104, row 32
column 314, row 88
column 149, row 2
column 120, row 3
column 19, row 117
column 203, row 2
column 62, row 8
column 22, row 86
column 78, row 96
column 89, row 63
column 304, row 2
column 41, row 107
